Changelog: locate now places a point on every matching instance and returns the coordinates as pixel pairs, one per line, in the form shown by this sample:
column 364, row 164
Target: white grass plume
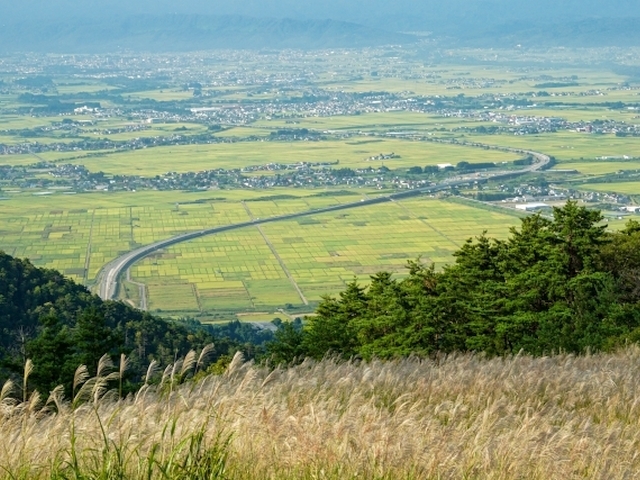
column 460, row 417
column 205, row 353
column 28, row 370
column 188, row 363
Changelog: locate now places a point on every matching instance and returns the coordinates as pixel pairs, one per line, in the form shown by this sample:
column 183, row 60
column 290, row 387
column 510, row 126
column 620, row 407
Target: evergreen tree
column 561, row 284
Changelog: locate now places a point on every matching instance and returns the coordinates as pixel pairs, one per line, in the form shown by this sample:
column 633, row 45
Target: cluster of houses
column 296, row 175
column 508, row 122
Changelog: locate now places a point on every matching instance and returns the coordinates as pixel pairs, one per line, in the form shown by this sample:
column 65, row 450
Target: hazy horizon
column 59, row 23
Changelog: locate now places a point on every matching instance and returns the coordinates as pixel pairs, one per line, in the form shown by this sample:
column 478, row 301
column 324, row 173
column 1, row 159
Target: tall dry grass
column 465, row 417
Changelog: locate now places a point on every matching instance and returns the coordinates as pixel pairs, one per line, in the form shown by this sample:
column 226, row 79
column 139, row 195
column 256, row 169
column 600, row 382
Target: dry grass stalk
column 562, row 417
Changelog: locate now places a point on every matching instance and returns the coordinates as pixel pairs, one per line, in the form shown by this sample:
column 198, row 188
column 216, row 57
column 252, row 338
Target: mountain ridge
column 179, row 32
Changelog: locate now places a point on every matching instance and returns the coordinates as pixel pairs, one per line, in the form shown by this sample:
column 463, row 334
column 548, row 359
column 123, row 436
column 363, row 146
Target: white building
column 532, row 207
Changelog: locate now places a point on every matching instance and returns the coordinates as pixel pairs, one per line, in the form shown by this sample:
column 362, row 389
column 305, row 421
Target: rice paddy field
column 566, row 146
column 628, row 188
column 252, row 269
column 473, row 80
column 291, row 264
column 296, row 262
column 370, row 122
column 78, row 234
column 352, row 153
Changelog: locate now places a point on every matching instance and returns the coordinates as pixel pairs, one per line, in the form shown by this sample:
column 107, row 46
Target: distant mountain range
column 166, row 25
column 189, row 32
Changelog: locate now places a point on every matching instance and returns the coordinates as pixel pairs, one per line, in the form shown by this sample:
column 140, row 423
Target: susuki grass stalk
column 462, row 417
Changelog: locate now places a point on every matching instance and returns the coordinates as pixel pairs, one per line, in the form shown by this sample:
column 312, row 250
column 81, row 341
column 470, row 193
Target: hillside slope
column 60, row 325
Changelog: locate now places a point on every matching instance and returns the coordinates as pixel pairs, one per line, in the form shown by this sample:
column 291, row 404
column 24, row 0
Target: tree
column 287, row 345
column 560, row 284
column 332, row 330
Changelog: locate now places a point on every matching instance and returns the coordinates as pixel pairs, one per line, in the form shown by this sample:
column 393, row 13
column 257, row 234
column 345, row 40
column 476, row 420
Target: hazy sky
column 394, row 14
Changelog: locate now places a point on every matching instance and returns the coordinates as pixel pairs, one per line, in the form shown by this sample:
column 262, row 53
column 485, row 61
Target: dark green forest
column 60, row 325
column 555, row 285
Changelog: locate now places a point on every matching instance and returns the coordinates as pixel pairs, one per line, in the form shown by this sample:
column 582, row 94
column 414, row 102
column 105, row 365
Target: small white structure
column 83, row 110
column 442, row 166
column 532, row 207
column 632, row 209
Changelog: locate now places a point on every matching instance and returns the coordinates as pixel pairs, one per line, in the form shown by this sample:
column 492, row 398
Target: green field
column 628, row 188
column 565, row 146
column 236, row 271
column 353, row 153
column 374, row 122
column 247, row 269
column 256, row 271
column 599, row 167
column 78, row 234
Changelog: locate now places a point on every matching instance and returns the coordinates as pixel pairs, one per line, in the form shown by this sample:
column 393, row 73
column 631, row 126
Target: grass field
column 585, row 113
column 291, row 262
column 628, row 188
column 477, row 80
column 249, row 269
column 375, row 122
column 599, row 167
column 239, row 270
column 565, row 146
column 459, row 417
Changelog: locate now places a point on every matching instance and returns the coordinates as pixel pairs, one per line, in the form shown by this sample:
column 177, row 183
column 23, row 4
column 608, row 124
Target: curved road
column 110, row 273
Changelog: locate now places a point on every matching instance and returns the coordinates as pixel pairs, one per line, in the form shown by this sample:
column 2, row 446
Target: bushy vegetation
column 563, row 284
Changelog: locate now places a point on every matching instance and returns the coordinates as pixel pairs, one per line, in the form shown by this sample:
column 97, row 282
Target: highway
column 111, row 272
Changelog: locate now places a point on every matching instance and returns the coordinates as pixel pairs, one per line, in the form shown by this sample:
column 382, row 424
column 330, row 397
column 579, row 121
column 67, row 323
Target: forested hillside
column 561, row 284
column 60, row 325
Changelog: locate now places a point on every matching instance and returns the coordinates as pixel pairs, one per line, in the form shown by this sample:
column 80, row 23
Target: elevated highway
column 110, row 274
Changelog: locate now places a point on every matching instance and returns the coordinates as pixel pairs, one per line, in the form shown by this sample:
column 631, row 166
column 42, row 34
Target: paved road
column 111, row 272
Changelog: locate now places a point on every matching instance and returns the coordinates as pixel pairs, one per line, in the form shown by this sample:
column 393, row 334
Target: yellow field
column 298, row 261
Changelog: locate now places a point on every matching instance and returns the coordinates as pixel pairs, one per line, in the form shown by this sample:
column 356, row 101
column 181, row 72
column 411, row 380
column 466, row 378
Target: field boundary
column 142, row 289
column 424, row 222
column 87, row 258
column 278, row 257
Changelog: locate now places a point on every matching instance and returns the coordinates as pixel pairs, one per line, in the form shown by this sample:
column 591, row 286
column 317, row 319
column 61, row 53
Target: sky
column 396, row 14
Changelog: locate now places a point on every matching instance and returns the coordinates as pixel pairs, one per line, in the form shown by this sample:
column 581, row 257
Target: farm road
column 283, row 266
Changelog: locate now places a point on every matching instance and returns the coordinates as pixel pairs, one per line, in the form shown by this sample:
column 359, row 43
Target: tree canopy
column 60, row 325
column 560, row 284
